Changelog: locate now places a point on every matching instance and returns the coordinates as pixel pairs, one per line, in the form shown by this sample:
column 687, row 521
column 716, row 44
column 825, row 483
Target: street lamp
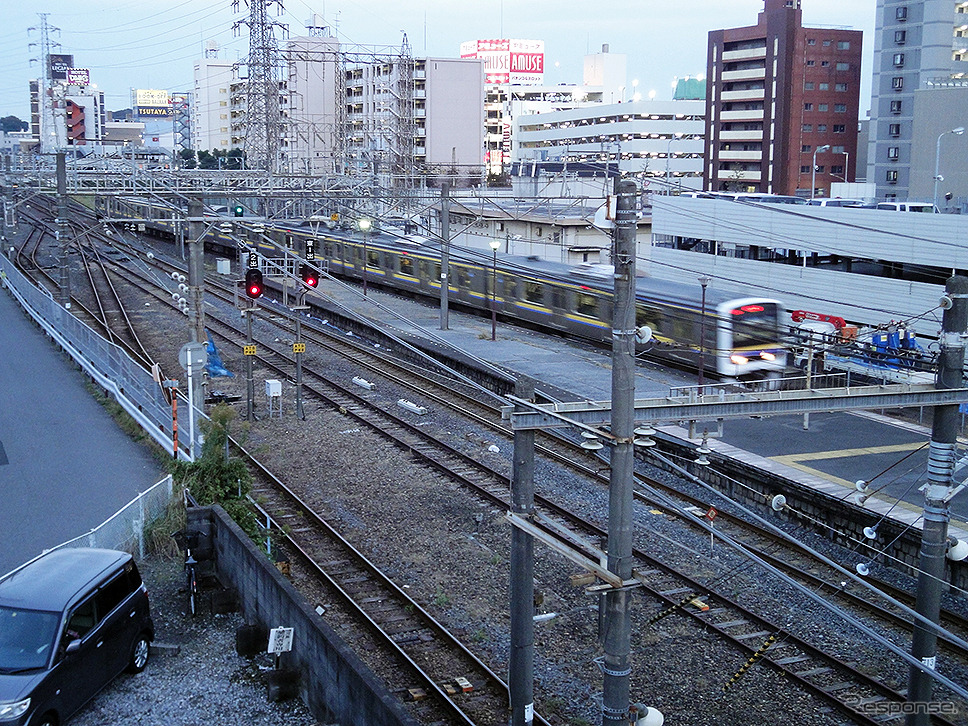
column 937, row 159
column 494, row 245
column 365, row 225
column 813, row 176
column 703, row 281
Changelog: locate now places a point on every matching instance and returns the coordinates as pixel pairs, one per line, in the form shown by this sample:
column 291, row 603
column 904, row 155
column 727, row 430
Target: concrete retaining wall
column 335, row 684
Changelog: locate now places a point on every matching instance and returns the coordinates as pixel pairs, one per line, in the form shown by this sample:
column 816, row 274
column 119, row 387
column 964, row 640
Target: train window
column 510, row 288
column 406, row 265
column 372, row 258
column 586, row 304
column 683, row 327
column 463, row 277
column 533, row 292
column 646, row 315
column 328, row 249
column 754, row 324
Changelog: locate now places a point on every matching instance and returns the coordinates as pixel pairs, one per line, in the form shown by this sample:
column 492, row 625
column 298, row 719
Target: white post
column 191, row 412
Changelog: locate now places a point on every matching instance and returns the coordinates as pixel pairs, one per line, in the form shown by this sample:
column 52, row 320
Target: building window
column 824, row 64
column 808, row 86
column 898, row 60
column 842, row 87
column 891, row 176
column 840, row 128
column 900, row 36
column 826, row 44
column 837, row 149
column 843, row 66
column 895, row 107
column 805, row 169
column 840, row 108
column 893, row 152
column 820, row 168
column 822, row 107
column 806, row 128
column 808, row 107
column 811, row 41
column 843, row 45
column 894, row 129
column 824, row 87
column 897, row 83
column 806, row 149
column 811, row 63
column 900, row 13
column 821, row 128
column 838, row 169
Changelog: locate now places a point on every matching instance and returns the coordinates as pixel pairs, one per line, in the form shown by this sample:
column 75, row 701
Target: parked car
column 908, row 207
column 837, row 202
column 70, row 621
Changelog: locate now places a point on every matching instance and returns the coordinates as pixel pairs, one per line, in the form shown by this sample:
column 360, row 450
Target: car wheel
column 47, row 720
column 139, row 655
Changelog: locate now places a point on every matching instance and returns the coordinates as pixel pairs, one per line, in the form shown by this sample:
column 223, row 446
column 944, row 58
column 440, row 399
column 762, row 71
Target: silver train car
column 745, row 337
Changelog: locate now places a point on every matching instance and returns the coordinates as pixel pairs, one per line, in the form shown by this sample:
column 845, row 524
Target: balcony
column 748, row 54
column 754, row 115
column 747, row 74
column 734, row 175
column 738, row 155
column 749, row 94
column 754, row 135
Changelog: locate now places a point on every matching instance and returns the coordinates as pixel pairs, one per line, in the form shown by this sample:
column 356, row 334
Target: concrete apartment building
column 212, row 108
column 919, row 96
column 779, row 93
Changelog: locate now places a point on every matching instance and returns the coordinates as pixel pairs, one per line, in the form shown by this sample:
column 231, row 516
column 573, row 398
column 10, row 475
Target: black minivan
column 70, row 621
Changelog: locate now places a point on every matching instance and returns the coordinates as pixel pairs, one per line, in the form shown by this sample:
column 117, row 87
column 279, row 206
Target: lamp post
column 703, row 281
column 365, row 225
column 937, row 159
column 813, row 170
column 494, row 245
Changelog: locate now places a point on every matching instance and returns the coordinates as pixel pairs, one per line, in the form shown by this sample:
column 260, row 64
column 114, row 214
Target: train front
column 750, row 338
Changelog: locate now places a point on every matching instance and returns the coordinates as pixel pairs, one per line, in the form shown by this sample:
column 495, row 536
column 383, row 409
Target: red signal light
column 309, row 276
column 253, row 283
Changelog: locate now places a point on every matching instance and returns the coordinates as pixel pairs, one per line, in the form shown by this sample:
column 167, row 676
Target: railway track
column 838, row 683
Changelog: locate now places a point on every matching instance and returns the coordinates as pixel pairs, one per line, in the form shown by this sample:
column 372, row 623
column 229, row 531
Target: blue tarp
column 215, row 366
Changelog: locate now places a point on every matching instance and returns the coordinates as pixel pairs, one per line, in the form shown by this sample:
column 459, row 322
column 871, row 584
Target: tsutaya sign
column 508, row 61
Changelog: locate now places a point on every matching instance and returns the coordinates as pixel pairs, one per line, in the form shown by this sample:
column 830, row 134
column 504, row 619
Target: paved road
column 65, row 466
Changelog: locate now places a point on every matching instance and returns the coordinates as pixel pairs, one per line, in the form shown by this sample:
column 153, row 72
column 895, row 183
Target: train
column 731, row 337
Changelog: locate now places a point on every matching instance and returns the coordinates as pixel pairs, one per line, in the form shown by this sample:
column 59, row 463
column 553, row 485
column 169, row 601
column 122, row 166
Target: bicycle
column 186, row 541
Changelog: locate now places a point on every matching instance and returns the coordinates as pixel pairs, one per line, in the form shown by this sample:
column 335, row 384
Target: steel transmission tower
column 48, row 129
column 263, row 119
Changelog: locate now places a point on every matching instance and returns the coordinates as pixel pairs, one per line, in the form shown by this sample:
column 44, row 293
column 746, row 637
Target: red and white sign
column 520, row 62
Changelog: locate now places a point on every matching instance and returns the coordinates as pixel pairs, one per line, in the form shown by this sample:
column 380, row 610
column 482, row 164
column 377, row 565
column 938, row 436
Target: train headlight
column 767, row 355
column 737, row 359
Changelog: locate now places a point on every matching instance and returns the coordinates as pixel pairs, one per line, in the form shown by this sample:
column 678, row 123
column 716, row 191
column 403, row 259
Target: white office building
column 212, row 110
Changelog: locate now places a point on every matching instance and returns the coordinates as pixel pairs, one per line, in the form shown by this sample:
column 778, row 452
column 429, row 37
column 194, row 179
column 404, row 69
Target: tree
column 12, row 123
column 207, row 160
column 187, row 157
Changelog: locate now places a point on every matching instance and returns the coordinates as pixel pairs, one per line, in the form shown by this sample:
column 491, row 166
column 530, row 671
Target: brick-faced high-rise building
column 777, row 93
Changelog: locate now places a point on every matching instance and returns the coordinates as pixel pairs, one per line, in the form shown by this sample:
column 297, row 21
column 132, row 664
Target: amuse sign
column 519, row 62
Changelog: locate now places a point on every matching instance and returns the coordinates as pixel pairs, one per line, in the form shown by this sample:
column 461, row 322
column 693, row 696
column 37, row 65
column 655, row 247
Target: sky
column 130, row 44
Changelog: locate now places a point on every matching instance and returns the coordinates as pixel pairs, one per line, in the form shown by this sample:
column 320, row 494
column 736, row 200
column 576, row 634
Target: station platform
column 831, row 454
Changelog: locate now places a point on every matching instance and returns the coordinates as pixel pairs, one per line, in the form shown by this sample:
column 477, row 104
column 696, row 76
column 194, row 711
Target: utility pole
column 63, row 235
column 937, row 492
column 521, row 669
column 196, row 291
column 444, row 251
column 617, row 622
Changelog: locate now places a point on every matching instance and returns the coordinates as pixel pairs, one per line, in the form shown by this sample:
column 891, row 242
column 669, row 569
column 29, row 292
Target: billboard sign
column 519, row 62
column 151, row 102
column 59, row 65
column 78, row 77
